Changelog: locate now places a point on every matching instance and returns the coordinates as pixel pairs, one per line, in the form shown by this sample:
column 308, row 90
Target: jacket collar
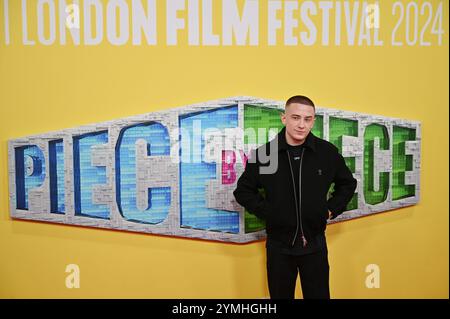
column 310, row 141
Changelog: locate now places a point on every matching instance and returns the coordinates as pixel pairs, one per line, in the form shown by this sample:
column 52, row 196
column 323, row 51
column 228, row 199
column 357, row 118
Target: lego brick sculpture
column 173, row 172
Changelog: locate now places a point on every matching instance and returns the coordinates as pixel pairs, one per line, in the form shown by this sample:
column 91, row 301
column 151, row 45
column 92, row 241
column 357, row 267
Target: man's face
column 299, row 120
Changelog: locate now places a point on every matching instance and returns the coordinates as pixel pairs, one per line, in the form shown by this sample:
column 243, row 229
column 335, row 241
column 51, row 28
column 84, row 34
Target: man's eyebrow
column 307, row 116
column 299, row 115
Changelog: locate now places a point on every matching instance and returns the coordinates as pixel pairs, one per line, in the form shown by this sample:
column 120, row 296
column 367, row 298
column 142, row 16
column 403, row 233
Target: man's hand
column 329, row 214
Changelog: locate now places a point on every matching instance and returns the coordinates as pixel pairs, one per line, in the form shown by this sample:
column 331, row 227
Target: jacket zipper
column 300, row 198
column 297, row 208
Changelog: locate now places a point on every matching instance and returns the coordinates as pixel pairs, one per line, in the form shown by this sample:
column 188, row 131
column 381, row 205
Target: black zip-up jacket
column 290, row 215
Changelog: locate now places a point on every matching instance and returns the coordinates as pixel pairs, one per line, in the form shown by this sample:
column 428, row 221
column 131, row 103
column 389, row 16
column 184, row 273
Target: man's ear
column 283, row 118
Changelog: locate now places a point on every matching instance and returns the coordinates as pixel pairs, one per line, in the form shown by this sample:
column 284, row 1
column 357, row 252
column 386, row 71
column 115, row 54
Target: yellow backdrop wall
column 45, row 88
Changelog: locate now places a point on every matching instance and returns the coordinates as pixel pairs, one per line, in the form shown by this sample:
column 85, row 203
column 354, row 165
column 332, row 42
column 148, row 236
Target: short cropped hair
column 300, row 99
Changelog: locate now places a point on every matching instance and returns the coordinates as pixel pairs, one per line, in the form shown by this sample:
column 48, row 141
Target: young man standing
column 295, row 204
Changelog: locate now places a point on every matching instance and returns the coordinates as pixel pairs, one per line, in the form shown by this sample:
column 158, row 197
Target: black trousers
column 282, row 271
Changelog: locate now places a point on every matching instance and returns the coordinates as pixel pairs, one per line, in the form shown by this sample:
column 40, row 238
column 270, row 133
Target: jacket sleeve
column 344, row 187
column 246, row 192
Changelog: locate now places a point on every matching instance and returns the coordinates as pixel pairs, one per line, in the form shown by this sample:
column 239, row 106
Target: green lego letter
column 338, row 128
column 402, row 163
column 371, row 195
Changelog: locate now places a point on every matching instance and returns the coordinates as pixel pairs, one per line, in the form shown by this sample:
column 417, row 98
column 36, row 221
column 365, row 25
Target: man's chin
column 299, row 138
